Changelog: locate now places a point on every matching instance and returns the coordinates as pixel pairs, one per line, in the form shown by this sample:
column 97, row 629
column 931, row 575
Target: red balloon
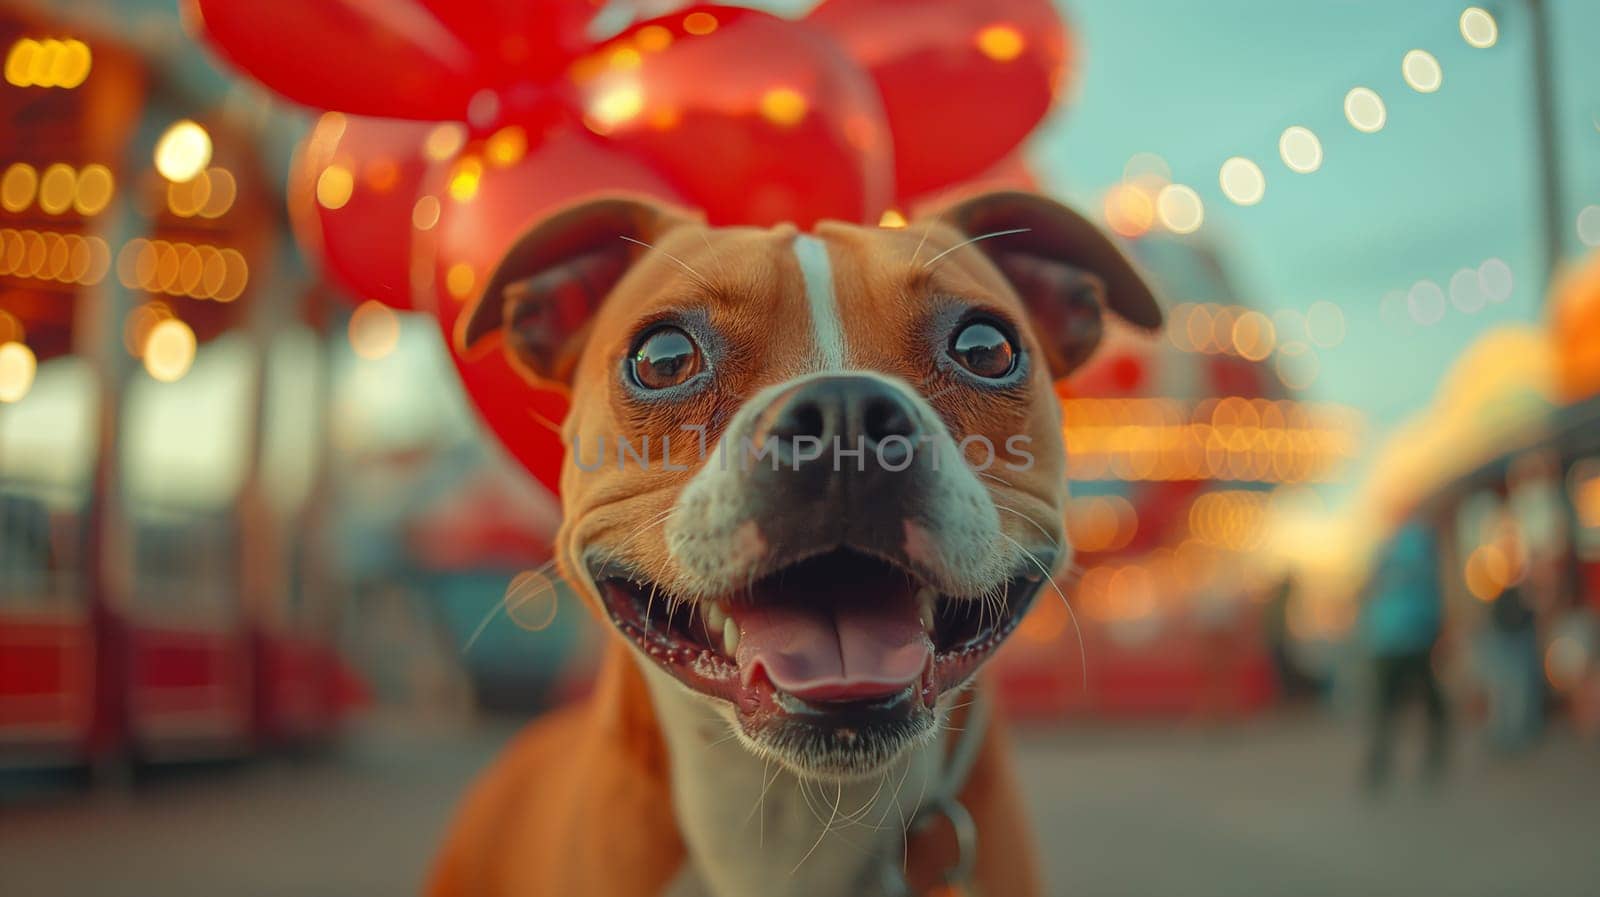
column 401, row 60
column 962, row 82
column 756, row 119
column 1010, row 173
column 352, row 195
column 487, row 198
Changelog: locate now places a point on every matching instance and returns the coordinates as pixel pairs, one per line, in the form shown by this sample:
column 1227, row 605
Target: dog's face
column 816, row 478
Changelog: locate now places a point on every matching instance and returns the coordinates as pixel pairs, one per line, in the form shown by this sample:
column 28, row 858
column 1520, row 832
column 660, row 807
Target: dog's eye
column 665, row 357
column 984, row 349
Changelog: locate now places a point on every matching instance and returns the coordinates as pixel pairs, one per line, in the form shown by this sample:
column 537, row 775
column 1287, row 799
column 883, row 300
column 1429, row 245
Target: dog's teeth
column 925, row 599
column 730, row 636
column 716, row 616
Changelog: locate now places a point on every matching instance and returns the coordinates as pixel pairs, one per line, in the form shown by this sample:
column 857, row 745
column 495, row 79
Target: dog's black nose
column 831, row 419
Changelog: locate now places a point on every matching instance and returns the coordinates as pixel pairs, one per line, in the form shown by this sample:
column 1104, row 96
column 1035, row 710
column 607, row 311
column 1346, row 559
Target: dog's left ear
column 550, row 283
column 1062, row 266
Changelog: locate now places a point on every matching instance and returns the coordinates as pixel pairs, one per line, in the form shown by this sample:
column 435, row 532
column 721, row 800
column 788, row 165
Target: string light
column 48, row 63
column 1494, row 278
column 46, row 255
column 783, row 106
column 195, row 270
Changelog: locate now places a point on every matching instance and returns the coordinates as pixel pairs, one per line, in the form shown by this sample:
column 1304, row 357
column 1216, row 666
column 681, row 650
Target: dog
column 813, row 481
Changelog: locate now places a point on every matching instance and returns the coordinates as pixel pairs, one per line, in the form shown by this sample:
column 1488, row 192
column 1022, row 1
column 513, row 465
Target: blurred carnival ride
column 161, row 590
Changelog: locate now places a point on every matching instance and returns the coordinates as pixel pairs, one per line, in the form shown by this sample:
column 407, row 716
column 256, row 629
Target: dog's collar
column 946, row 804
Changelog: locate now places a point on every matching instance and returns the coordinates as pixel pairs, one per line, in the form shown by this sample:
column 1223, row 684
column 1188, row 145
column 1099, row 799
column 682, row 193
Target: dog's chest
column 753, row 828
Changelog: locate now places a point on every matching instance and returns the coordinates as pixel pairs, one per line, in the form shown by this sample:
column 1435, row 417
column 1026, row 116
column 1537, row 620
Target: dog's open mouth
column 837, row 634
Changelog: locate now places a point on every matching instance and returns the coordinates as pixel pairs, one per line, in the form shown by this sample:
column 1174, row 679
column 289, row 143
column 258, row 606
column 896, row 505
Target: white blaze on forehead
column 817, row 271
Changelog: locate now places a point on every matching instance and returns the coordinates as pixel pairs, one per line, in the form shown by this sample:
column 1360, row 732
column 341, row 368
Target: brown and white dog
column 813, row 481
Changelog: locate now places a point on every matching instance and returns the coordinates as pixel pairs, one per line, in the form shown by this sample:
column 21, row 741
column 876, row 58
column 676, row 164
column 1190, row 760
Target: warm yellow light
column 223, row 190
column 459, row 280
column 464, row 181
column 783, row 106
column 48, row 63
column 186, row 198
column 653, row 38
column 614, row 105
column 1365, row 111
column 699, row 23
column 1000, row 42
column 17, row 187
column 19, row 62
column 183, row 151
column 1253, row 336
column 891, row 219
column 444, row 141
column 236, row 276
column 56, row 188
column 1180, row 209
column 1421, row 71
column 374, row 330
column 1300, row 149
column 1129, row 210
column 425, row 214
column 17, row 368
column 95, row 188
column 1478, row 28
column 169, row 350
column 335, row 186
column 381, row 175
column 625, row 59
column 1242, row 181
column 507, row 146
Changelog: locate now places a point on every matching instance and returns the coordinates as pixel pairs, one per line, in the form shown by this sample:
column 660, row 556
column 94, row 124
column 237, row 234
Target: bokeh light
column 169, row 350
column 1180, row 209
column 374, row 330
column 1242, row 181
column 183, row 151
column 1589, row 225
column 1466, row 294
column 1426, row 303
column 1300, row 149
column 1494, row 278
column 1365, row 111
column 17, row 368
column 335, row 186
column 1421, row 71
column 1129, row 210
column 18, row 186
column 1478, row 27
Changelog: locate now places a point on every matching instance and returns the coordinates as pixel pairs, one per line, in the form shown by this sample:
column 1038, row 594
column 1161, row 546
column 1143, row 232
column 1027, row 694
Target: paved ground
column 1266, row 809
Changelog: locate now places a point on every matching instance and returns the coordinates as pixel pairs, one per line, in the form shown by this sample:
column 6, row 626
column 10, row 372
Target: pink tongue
column 834, row 651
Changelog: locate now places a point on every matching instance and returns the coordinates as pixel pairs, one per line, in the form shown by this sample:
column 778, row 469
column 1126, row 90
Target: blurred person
column 1400, row 622
column 1509, row 652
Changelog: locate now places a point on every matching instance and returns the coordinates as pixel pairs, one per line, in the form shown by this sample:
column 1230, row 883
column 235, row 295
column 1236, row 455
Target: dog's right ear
column 544, row 292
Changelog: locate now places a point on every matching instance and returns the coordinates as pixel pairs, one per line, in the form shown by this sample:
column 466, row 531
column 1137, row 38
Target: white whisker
column 971, row 240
